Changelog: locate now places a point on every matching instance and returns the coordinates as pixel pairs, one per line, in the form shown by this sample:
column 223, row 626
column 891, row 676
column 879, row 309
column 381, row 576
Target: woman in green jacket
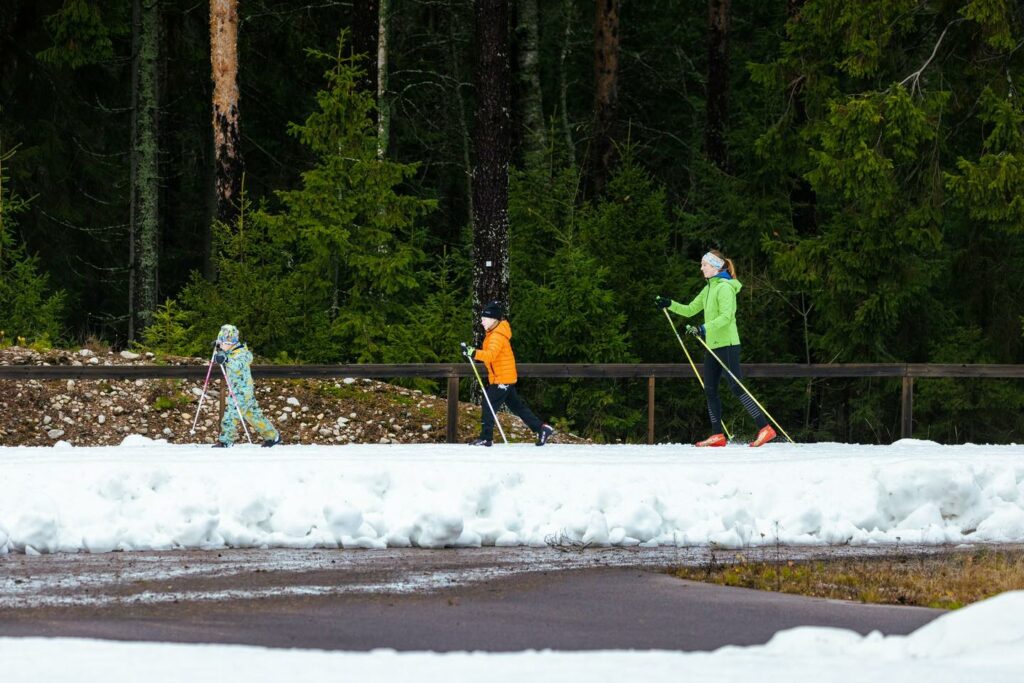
column 718, row 301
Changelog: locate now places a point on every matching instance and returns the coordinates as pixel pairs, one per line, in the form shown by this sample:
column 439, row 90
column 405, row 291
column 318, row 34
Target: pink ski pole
column 209, row 369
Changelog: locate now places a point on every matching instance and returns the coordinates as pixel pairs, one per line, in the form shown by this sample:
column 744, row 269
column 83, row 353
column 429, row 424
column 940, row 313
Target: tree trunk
column 365, row 33
column 383, row 109
column 369, row 38
column 3, row 207
column 491, row 142
column 455, row 69
column 144, row 206
column 606, row 89
column 530, row 102
column 226, row 138
column 803, row 200
column 563, row 82
column 718, row 82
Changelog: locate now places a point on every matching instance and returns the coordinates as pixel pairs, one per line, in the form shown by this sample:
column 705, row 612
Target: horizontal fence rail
column 541, row 370
column 455, row 371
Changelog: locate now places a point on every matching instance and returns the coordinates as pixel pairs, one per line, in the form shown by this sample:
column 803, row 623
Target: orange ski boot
column 714, row 441
column 766, row 434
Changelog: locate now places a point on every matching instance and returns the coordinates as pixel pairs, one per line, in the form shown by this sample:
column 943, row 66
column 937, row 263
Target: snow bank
column 147, row 495
column 983, row 642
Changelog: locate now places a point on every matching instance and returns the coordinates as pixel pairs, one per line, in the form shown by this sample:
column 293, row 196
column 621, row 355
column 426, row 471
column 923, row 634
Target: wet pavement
column 489, row 598
column 84, row 579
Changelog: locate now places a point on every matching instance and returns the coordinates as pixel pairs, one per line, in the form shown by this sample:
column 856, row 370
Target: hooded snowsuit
column 237, row 366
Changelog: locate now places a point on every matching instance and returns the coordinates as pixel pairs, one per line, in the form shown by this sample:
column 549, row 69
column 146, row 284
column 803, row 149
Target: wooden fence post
column 907, row 409
column 453, row 409
column 650, row 410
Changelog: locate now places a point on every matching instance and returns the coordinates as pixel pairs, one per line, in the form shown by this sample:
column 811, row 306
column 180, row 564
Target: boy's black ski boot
column 219, row 444
column 544, row 434
column 480, row 442
column 270, row 443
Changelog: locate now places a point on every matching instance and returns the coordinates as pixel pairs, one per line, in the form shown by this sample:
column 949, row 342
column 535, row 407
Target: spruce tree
column 324, row 278
column 29, row 309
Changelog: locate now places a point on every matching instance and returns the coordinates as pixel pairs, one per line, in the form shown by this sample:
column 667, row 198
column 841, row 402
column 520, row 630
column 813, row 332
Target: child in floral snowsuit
column 236, row 358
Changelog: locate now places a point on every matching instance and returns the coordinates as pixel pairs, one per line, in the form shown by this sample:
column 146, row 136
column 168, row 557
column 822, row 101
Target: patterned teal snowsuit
column 237, row 367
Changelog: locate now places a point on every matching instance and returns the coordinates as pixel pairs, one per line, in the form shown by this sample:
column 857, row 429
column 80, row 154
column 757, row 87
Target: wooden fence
column 908, row 372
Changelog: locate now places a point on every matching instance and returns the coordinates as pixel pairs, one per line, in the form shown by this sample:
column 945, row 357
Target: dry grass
column 945, row 580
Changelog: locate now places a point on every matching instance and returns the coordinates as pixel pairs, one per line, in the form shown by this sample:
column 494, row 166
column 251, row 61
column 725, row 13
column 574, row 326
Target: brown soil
column 104, row 412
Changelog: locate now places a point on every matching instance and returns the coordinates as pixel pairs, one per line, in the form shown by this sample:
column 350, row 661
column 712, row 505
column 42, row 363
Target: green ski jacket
column 718, row 301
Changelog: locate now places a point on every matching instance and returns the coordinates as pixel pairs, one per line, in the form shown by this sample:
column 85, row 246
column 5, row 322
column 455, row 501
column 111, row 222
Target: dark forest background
column 861, row 162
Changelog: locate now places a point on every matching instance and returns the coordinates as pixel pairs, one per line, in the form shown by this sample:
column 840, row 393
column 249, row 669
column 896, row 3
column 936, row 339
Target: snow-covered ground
column 983, row 642
column 151, row 495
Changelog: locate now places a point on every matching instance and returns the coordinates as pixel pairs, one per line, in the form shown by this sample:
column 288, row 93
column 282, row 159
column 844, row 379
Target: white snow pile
column 148, row 495
column 983, row 642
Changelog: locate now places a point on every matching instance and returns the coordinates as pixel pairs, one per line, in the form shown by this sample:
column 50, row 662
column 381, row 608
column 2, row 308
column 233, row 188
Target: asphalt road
column 408, row 600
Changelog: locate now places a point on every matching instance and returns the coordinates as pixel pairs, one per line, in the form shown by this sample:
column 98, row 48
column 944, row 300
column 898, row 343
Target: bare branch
column 916, row 76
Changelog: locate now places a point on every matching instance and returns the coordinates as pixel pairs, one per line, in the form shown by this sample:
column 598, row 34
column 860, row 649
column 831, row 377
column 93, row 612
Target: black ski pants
column 713, row 372
column 505, row 394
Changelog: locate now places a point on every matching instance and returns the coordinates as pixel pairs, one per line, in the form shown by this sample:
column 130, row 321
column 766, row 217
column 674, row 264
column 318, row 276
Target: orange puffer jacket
column 496, row 354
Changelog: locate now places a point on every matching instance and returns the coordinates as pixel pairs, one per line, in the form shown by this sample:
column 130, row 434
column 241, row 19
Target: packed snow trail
column 148, row 495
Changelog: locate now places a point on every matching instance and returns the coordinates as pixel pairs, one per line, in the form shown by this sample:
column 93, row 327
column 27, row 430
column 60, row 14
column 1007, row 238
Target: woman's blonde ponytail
column 729, row 265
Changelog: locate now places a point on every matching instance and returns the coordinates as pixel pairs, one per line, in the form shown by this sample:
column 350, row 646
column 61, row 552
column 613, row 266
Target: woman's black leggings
column 713, row 372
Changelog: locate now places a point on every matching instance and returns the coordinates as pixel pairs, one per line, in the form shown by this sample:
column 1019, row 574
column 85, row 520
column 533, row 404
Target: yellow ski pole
column 689, row 358
column 737, row 380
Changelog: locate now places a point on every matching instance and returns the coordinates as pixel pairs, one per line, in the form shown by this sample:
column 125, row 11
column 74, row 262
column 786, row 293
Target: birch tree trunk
column 144, row 205
column 606, row 89
column 226, row 137
column 531, row 102
column 491, row 142
column 718, row 82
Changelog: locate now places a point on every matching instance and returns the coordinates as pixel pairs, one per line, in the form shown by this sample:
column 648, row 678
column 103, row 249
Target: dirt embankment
column 103, row 412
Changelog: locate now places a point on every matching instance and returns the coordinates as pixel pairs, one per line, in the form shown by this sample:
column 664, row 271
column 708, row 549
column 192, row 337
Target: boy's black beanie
column 493, row 310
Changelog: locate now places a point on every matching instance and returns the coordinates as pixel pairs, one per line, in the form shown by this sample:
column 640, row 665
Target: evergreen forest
column 349, row 181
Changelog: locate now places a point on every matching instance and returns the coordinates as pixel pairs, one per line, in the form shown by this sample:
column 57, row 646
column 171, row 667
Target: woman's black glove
column 220, row 358
column 662, row 302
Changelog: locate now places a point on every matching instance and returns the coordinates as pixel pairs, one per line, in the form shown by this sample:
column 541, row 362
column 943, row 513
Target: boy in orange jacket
column 496, row 355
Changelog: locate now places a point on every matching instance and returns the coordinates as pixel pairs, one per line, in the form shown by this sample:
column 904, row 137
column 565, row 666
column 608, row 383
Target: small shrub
column 163, row 403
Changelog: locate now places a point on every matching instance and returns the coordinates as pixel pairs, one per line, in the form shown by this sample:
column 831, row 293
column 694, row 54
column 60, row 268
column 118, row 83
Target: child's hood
column 504, row 329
